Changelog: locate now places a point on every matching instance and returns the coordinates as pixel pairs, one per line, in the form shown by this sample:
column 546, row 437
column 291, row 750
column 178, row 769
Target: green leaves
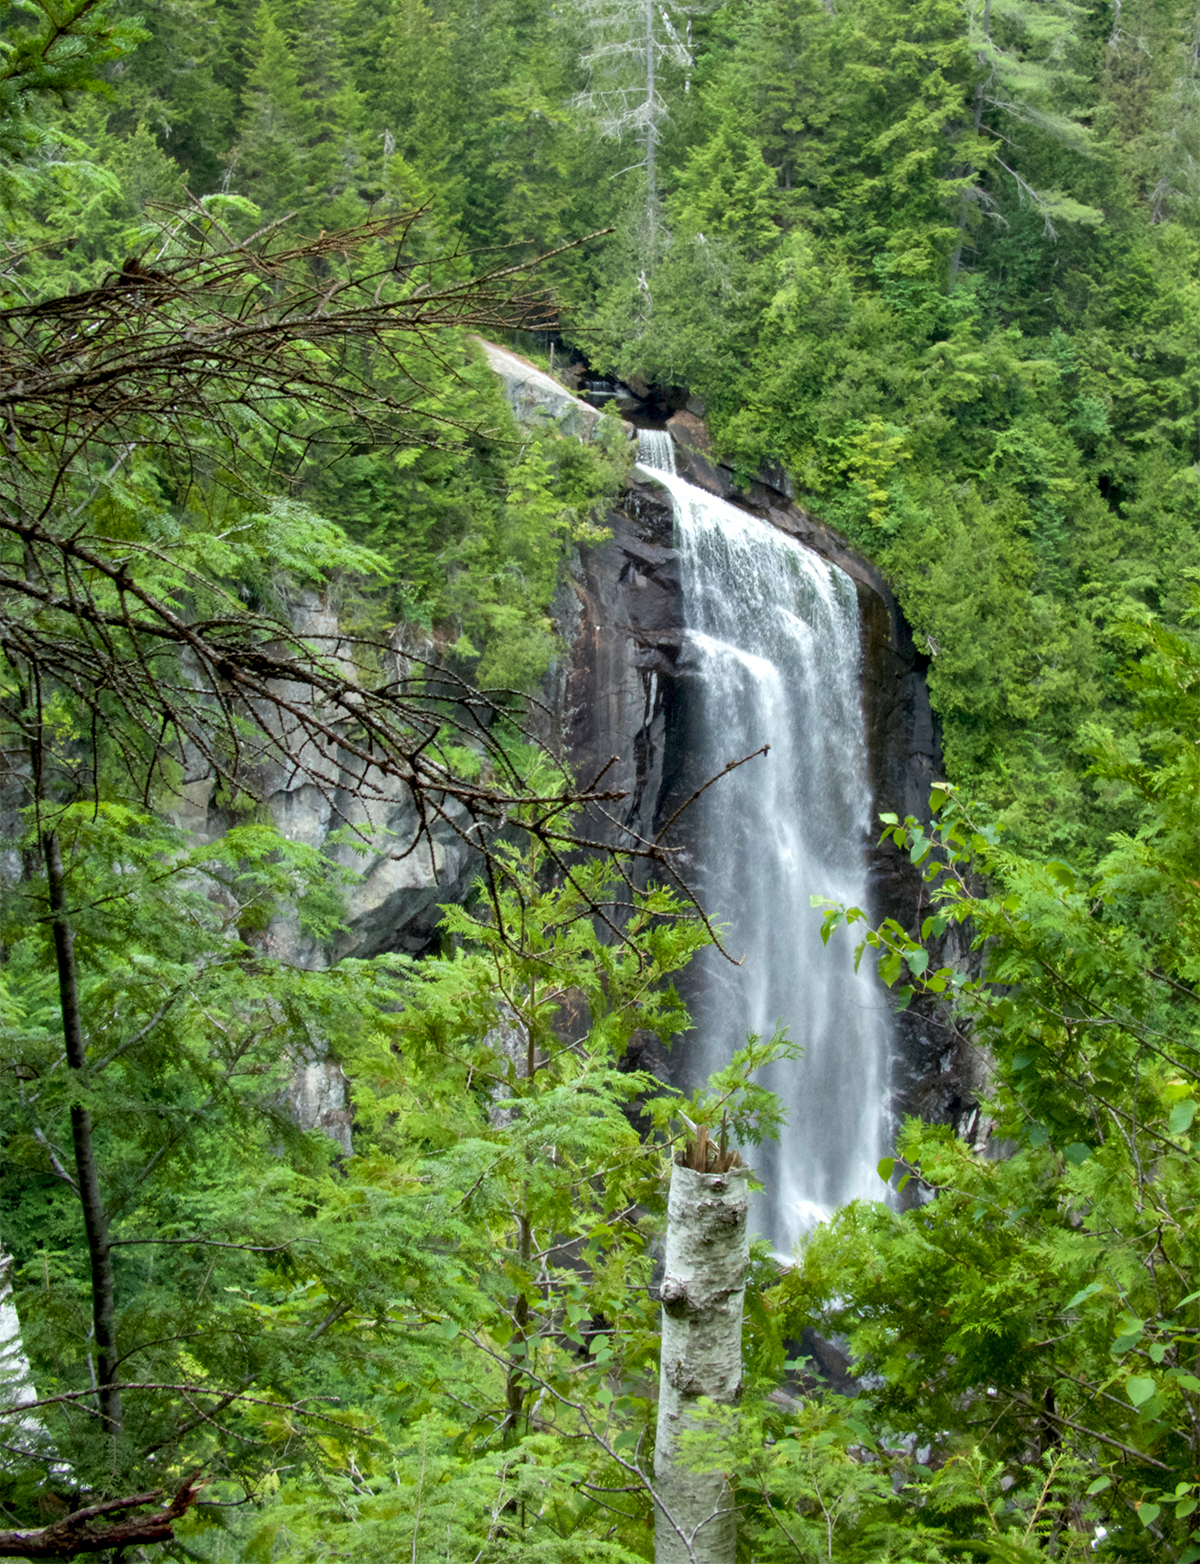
column 1084, row 1293
column 219, row 1207
column 1179, row 1120
column 1086, row 1010
column 507, row 565
column 1139, row 1388
column 48, row 51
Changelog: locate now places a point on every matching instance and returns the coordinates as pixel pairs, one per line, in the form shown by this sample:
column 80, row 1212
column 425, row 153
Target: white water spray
column 772, row 656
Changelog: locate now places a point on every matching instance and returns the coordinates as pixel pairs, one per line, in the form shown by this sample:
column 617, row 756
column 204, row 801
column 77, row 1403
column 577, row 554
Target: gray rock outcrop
column 536, row 397
column 621, row 616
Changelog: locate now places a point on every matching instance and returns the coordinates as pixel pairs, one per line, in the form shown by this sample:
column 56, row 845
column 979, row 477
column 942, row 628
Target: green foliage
column 52, row 49
column 939, row 260
column 1053, row 1286
column 505, row 569
column 192, row 1039
column 955, row 321
column 484, row 1247
column 952, row 227
column 193, row 1036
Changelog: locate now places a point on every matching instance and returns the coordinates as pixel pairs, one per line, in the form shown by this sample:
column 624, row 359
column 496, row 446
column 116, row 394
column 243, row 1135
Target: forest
column 264, row 510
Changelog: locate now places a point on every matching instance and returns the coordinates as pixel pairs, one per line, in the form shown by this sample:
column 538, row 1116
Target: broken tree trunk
column 708, row 1251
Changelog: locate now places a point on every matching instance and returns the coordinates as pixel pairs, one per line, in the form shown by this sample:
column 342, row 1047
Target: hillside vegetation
column 939, row 258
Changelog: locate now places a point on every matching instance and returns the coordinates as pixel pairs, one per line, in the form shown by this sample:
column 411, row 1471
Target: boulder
column 694, row 455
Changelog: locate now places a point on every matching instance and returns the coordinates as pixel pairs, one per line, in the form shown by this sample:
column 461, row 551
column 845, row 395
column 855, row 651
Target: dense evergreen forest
column 939, row 260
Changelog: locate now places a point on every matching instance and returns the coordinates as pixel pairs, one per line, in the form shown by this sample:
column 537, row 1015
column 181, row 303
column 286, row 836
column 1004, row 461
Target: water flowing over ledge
column 772, row 654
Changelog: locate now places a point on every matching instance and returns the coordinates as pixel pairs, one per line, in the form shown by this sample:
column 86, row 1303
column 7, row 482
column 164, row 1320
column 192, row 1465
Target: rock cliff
column 617, row 702
column 621, row 616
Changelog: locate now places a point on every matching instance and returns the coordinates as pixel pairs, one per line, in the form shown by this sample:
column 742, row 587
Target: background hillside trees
column 858, row 210
column 916, row 256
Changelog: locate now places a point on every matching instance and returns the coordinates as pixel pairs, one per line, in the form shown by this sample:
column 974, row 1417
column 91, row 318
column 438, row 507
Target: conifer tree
column 53, row 51
column 183, row 83
column 338, row 160
column 416, row 112
column 272, row 160
column 1024, row 52
column 632, row 45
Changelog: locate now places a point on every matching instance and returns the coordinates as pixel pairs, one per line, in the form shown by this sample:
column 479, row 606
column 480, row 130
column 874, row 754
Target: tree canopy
column 935, row 258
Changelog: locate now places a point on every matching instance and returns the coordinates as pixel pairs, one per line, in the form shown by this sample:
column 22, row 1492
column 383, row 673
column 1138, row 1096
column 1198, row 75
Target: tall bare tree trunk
column 651, row 125
column 87, row 1176
column 703, row 1290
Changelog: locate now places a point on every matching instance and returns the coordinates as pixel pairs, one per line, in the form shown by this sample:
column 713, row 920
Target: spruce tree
column 271, row 162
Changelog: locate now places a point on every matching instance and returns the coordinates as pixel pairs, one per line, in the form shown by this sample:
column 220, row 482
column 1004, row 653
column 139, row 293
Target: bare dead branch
column 77, row 1533
column 318, row 344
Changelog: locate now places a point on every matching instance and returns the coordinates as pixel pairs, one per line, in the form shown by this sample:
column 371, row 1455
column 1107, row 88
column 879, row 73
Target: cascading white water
column 772, row 656
column 656, row 451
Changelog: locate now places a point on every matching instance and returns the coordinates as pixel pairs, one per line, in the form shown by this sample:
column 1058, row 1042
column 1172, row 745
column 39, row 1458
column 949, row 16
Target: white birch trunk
column 708, row 1250
column 27, row 1437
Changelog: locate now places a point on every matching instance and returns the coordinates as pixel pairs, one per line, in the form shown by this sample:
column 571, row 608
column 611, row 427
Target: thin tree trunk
column 517, row 1382
column 87, row 1176
column 956, row 258
column 511, row 1037
column 703, row 1290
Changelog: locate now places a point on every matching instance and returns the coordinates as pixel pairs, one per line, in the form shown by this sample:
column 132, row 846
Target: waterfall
column 656, row 451
column 772, row 656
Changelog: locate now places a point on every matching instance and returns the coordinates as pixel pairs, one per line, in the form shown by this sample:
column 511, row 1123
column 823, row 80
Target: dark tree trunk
column 87, row 1177
column 517, row 1382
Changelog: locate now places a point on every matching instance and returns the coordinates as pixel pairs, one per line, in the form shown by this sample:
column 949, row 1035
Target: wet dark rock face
column 619, row 695
column 621, row 614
